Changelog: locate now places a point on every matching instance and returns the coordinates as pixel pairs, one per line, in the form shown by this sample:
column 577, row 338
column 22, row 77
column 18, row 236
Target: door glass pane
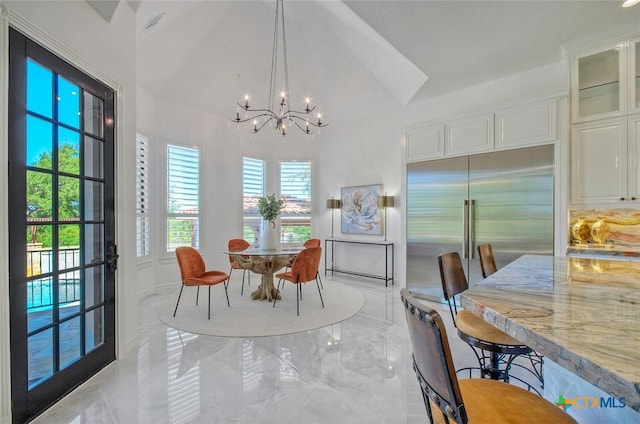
column 68, row 198
column 92, row 157
column 93, row 243
column 599, row 83
column 39, row 143
column 68, row 151
column 93, row 114
column 39, row 300
column 40, row 348
column 39, row 195
column 69, row 293
column 93, row 200
column 93, row 286
column 69, row 344
column 38, row 255
column 94, row 328
column 68, row 246
column 68, row 103
column 39, row 89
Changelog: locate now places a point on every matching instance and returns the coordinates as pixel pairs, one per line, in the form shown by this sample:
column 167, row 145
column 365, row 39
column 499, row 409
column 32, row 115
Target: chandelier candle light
column 284, row 117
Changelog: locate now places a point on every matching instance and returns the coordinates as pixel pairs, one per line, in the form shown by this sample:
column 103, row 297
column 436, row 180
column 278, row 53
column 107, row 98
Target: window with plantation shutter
column 295, row 188
column 142, row 196
column 183, row 193
column 253, row 183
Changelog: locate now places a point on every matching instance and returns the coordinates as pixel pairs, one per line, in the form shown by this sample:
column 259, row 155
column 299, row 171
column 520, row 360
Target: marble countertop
column 583, row 314
column 614, row 252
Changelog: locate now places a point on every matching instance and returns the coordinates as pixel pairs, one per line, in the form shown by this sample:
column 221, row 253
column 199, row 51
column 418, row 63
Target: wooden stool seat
column 473, row 328
column 480, row 402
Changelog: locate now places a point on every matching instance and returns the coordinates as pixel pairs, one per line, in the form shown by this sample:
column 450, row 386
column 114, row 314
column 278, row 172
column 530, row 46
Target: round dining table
column 265, row 262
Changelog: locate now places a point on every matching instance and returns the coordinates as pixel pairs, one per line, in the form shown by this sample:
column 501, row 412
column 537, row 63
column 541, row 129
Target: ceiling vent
column 151, row 23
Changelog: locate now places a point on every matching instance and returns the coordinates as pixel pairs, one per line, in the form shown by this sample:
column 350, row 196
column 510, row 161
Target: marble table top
column 583, row 314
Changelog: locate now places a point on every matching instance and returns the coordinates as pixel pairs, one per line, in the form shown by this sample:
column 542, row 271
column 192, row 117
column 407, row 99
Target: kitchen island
column 582, row 314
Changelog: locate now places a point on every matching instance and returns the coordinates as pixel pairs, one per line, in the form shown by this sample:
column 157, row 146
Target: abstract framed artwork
column 360, row 213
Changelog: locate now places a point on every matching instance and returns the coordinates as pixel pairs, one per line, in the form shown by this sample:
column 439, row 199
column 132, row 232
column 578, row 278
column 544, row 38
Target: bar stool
column 488, row 266
column 487, row 261
column 475, row 400
column 494, row 349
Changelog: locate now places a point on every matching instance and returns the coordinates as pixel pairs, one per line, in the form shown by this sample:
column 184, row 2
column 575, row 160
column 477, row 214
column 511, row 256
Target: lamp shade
column 385, row 201
column 334, row 203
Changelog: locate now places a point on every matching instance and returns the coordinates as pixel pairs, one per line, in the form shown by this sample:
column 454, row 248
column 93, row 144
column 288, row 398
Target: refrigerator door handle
column 472, row 228
column 465, row 225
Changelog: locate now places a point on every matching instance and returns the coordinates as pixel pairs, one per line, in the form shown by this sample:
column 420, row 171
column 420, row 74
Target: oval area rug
column 255, row 318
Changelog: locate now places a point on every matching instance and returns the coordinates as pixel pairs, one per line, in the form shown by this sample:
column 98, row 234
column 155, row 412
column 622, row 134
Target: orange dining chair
column 304, row 269
column 193, row 273
column 472, row 400
column 487, row 261
column 238, row 245
column 314, row 242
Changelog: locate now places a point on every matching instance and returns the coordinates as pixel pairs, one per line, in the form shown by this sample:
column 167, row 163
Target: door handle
column 112, row 258
column 465, row 225
column 472, row 228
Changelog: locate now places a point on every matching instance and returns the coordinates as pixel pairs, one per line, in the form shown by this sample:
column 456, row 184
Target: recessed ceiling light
column 629, row 3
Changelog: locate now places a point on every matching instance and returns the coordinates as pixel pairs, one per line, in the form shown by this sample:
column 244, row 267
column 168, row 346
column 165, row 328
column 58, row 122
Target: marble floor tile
column 353, row 372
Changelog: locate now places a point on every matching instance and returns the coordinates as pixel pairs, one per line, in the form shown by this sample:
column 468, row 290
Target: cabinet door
column 470, row 135
column 598, row 87
column 424, row 142
column 526, row 125
column 599, row 162
column 634, row 76
column 633, row 169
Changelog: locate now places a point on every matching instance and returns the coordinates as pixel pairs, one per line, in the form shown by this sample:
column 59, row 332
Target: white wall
column 222, row 145
column 371, row 151
column 355, row 153
column 364, row 152
column 74, row 31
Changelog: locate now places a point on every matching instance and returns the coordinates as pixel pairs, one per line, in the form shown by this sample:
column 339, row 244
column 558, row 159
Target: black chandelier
column 285, row 117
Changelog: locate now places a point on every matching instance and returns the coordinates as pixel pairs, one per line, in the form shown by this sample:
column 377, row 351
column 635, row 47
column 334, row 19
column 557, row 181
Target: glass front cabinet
column 598, row 84
column 606, row 82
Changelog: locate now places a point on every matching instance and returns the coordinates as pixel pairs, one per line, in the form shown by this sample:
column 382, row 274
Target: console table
column 388, row 246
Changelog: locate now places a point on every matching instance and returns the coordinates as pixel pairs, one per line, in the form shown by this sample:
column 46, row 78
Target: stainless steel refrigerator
column 502, row 198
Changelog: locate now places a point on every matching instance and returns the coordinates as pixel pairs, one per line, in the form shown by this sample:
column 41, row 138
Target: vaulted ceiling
column 354, row 58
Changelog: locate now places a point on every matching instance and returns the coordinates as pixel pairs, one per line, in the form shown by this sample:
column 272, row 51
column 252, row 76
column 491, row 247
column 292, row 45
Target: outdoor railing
column 40, row 291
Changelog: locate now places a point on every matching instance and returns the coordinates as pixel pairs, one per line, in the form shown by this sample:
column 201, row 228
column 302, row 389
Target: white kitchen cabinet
column 424, row 142
column 598, row 83
column 603, row 163
column 474, row 134
column 526, row 125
